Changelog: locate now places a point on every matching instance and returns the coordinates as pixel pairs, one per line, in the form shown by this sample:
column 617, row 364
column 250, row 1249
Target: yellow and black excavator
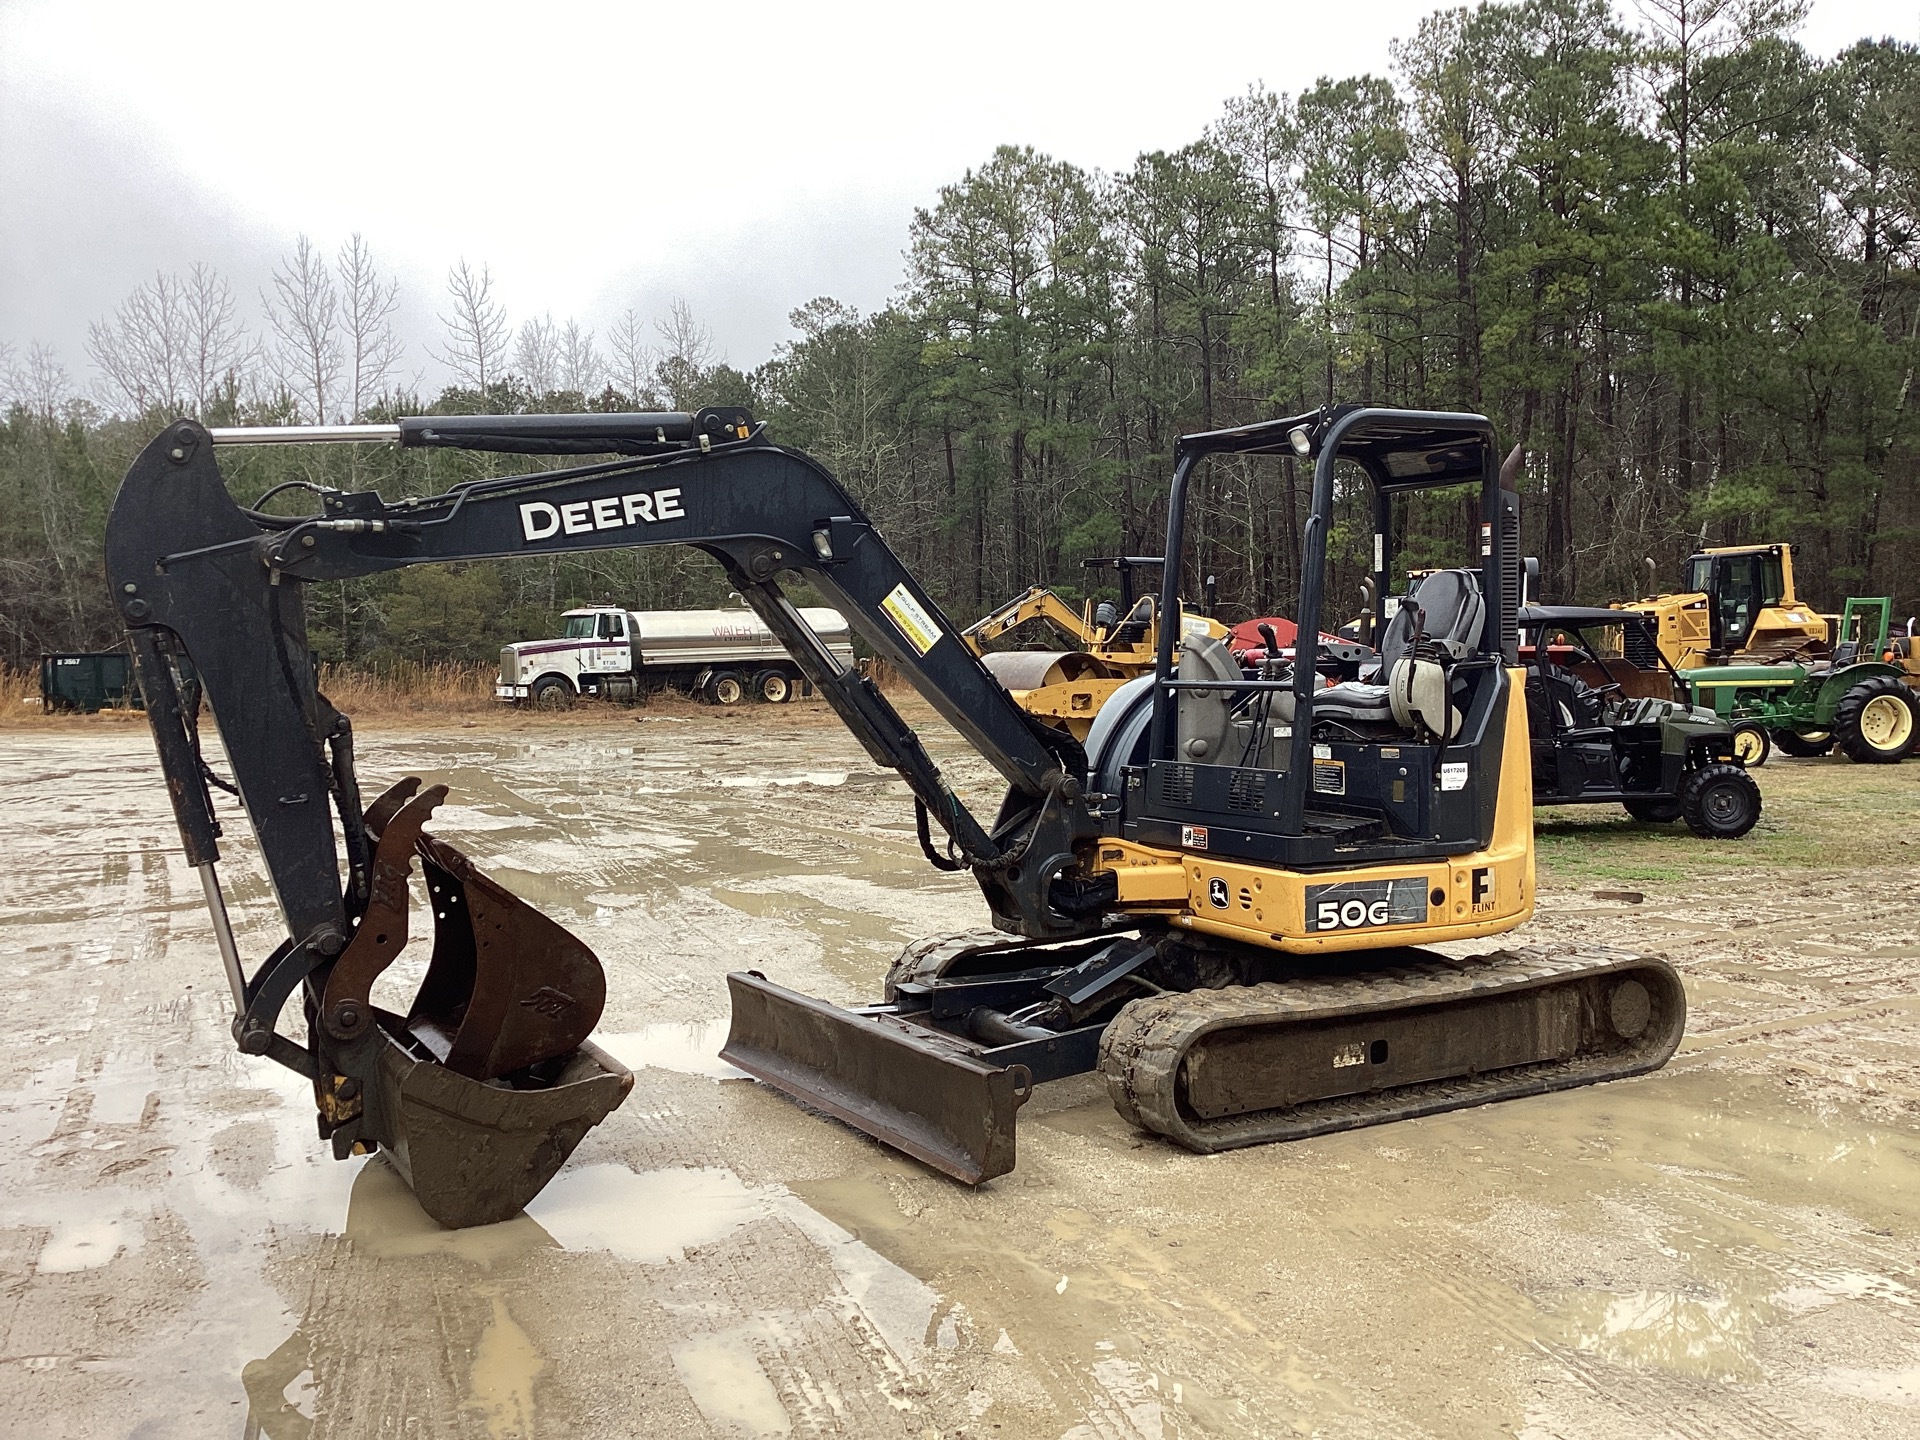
column 1109, row 645
column 1214, row 900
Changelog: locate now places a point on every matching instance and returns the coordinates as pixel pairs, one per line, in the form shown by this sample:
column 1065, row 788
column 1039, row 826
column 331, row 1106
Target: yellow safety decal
column 911, row 618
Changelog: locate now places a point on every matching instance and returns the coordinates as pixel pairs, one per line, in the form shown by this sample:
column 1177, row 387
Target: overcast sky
column 743, row 157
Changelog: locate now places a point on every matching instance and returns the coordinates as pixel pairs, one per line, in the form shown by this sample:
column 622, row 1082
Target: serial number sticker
column 1363, row 904
column 1330, row 777
column 1323, row 752
column 911, row 619
column 1346, row 1055
column 1453, row 775
column 1193, row 837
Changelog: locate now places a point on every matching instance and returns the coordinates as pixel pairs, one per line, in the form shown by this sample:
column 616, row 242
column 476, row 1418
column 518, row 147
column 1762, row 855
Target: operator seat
column 1437, row 623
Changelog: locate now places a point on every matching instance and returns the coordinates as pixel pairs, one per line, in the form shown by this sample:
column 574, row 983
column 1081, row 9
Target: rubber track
column 1142, row 1050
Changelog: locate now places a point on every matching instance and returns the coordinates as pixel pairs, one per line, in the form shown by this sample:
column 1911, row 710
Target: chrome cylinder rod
column 223, row 936
column 306, row 435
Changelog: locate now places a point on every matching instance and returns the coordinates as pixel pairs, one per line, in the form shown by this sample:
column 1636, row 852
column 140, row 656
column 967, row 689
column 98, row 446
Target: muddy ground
column 1725, row 1248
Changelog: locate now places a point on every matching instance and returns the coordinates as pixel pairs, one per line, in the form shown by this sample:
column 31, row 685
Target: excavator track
column 1221, row 1069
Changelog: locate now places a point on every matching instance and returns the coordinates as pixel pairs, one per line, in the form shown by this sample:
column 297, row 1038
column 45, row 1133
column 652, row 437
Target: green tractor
column 1861, row 700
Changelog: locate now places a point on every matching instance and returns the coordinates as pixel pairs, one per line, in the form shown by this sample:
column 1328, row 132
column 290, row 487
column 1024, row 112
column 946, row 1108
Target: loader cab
column 1739, row 586
column 1340, row 755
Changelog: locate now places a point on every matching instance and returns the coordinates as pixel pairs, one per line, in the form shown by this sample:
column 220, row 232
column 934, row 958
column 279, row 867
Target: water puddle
column 723, row 1378
column 828, row 779
column 649, row 1217
column 689, row 1048
column 1707, row 1336
column 505, row 1366
column 384, row 1220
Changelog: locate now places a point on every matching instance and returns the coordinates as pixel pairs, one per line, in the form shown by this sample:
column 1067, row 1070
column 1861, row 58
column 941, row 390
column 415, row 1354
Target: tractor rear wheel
column 1877, row 721
column 1751, row 744
column 1803, row 744
column 1720, row 802
column 1653, row 812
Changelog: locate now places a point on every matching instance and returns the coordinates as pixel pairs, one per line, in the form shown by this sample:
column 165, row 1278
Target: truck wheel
column 1653, row 812
column 1875, row 723
column 1720, row 802
column 1803, row 744
column 726, row 688
column 1751, row 744
column 773, row 686
column 550, row 692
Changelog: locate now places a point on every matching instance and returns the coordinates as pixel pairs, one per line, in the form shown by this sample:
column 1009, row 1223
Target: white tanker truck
column 722, row 656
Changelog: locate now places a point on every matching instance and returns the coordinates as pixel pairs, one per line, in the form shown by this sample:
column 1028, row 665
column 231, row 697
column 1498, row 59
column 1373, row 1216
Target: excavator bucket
column 917, row 1089
column 487, row 1084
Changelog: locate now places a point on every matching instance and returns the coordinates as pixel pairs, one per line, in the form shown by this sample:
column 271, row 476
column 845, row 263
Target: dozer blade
column 917, row 1089
column 482, row 1091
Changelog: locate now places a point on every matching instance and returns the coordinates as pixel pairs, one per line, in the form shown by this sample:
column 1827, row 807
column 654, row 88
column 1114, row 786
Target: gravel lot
column 1725, row 1248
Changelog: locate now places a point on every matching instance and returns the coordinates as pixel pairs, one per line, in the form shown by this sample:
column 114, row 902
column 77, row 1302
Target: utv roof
column 1574, row 617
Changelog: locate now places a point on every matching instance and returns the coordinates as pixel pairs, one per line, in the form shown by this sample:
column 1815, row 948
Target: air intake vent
column 1641, row 651
column 1176, row 784
column 1247, row 791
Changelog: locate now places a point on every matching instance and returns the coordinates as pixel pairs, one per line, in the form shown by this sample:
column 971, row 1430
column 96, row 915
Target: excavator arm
column 510, row 997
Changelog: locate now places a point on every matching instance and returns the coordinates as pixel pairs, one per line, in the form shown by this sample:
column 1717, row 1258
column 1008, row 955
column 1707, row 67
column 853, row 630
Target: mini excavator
column 1214, row 902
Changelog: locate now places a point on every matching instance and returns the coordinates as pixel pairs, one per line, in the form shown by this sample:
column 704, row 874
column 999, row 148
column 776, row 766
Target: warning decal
column 911, row 618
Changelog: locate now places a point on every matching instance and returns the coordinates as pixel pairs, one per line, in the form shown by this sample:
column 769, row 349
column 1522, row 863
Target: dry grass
column 410, row 689
column 19, row 695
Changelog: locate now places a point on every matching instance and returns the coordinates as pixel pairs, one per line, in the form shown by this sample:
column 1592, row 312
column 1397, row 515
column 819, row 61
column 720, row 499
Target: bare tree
column 304, row 314
column 581, row 367
column 536, row 355
column 175, row 344
column 367, row 303
column 477, row 330
column 682, row 371
column 633, row 360
column 42, row 384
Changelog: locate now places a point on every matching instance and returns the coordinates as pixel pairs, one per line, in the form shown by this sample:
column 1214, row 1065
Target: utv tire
column 551, row 693
column 1803, row 744
column 773, row 686
column 1877, row 721
column 726, row 688
column 1653, row 812
column 1751, row 744
column 1720, row 802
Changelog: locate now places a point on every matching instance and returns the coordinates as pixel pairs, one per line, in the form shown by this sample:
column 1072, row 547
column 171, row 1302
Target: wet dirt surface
column 1725, row 1248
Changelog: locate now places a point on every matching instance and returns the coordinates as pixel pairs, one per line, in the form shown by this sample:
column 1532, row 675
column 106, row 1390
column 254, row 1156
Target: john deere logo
column 1217, row 893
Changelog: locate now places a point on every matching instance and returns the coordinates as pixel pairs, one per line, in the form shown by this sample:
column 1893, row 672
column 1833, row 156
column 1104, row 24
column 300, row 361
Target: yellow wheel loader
column 1216, row 901
column 1738, row 606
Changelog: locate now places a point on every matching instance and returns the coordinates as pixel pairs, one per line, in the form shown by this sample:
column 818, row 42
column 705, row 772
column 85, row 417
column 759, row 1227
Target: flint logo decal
column 1363, row 904
column 541, row 521
column 1217, row 893
column 1484, row 890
